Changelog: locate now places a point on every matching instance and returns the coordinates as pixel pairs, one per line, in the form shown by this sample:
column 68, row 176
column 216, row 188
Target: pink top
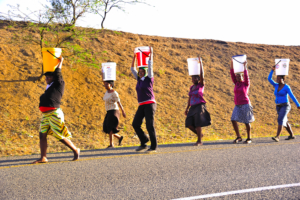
column 196, row 95
column 241, row 89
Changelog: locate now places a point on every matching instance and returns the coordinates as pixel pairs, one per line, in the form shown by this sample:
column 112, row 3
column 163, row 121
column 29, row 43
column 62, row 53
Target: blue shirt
column 282, row 95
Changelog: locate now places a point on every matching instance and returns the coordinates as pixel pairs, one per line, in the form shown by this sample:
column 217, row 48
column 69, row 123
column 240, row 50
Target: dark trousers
column 145, row 111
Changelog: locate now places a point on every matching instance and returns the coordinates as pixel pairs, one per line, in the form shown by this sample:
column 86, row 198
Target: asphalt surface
column 175, row 171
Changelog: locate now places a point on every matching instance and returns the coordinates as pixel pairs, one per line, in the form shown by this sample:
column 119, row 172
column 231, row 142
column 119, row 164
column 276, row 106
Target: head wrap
column 146, row 70
column 48, row 74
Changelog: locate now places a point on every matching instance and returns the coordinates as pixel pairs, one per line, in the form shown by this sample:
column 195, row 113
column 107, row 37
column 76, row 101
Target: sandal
column 120, row 140
column 237, row 140
column 290, row 138
column 276, row 139
column 248, row 141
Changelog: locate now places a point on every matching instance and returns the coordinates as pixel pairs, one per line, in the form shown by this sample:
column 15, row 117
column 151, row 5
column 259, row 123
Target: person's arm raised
column 201, row 72
column 61, row 62
column 150, row 63
column 270, row 77
column 57, row 73
column 246, row 76
column 233, row 78
column 133, row 70
column 102, row 73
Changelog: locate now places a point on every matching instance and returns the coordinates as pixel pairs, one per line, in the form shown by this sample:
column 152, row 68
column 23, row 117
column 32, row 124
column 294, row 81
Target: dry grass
column 84, row 108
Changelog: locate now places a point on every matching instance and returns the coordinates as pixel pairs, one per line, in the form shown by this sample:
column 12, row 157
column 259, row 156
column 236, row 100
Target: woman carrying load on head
column 243, row 111
column 197, row 115
column 283, row 106
column 52, row 122
column 147, row 104
column 111, row 120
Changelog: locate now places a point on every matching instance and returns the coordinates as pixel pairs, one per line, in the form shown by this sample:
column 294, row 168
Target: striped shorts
column 53, row 124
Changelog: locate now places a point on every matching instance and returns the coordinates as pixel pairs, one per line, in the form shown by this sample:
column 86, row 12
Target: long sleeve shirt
column 282, row 95
column 53, row 94
column 241, row 89
column 144, row 88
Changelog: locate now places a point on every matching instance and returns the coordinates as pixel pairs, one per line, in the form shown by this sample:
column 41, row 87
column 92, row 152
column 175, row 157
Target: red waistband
column 46, row 109
column 147, row 102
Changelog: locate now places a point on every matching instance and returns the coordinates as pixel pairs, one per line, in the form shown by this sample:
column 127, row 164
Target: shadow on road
column 52, row 158
column 98, row 153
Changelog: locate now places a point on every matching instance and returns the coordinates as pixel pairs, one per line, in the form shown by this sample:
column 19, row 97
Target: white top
column 111, row 100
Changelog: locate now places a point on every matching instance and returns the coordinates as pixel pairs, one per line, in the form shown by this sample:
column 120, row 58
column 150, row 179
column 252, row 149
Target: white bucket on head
column 282, row 68
column 109, row 71
column 238, row 60
column 142, row 56
column 194, row 66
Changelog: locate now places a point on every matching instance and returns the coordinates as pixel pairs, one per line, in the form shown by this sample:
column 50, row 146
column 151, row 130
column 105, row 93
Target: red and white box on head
column 142, row 55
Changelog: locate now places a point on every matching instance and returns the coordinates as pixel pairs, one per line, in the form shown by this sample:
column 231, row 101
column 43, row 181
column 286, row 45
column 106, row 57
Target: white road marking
column 240, row 191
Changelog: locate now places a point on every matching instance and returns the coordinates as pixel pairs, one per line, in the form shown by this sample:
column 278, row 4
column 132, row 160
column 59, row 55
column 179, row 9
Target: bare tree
column 38, row 20
column 67, row 12
column 55, row 25
column 103, row 7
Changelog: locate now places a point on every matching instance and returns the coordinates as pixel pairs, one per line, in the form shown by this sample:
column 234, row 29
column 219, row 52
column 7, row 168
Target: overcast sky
column 250, row 21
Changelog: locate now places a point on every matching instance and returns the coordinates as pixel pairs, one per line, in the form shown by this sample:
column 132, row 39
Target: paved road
column 176, row 171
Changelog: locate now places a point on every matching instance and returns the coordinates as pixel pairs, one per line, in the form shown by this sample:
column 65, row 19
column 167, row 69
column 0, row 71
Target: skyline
column 259, row 22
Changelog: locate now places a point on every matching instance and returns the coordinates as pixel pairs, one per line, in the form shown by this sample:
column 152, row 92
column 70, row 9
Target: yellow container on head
column 50, row 62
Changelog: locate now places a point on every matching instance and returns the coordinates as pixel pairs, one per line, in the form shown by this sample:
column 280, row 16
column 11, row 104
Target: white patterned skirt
column 243, row 114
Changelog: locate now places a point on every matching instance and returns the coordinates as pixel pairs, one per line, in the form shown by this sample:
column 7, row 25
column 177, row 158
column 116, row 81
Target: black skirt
column 198, row 116
column 111, row 121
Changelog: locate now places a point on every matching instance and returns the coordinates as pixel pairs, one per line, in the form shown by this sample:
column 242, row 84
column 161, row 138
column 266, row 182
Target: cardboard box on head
column 109, row 71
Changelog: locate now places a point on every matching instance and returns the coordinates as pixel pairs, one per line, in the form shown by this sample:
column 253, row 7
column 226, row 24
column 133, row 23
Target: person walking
column 243, row 111
column 111, row 120
column 283, row 106
column 147, row 104
column 52, row 122
column 196, row 113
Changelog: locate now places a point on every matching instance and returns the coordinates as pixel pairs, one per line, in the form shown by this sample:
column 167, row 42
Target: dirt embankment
column 84, row 108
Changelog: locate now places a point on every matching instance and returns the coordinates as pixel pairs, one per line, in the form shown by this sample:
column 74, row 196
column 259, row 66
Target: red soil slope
column 83, row 105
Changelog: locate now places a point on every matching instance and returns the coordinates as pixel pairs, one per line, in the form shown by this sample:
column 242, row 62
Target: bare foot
column 41, row 160
column 76, row 155
column 110, row 147
column 198, row 144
